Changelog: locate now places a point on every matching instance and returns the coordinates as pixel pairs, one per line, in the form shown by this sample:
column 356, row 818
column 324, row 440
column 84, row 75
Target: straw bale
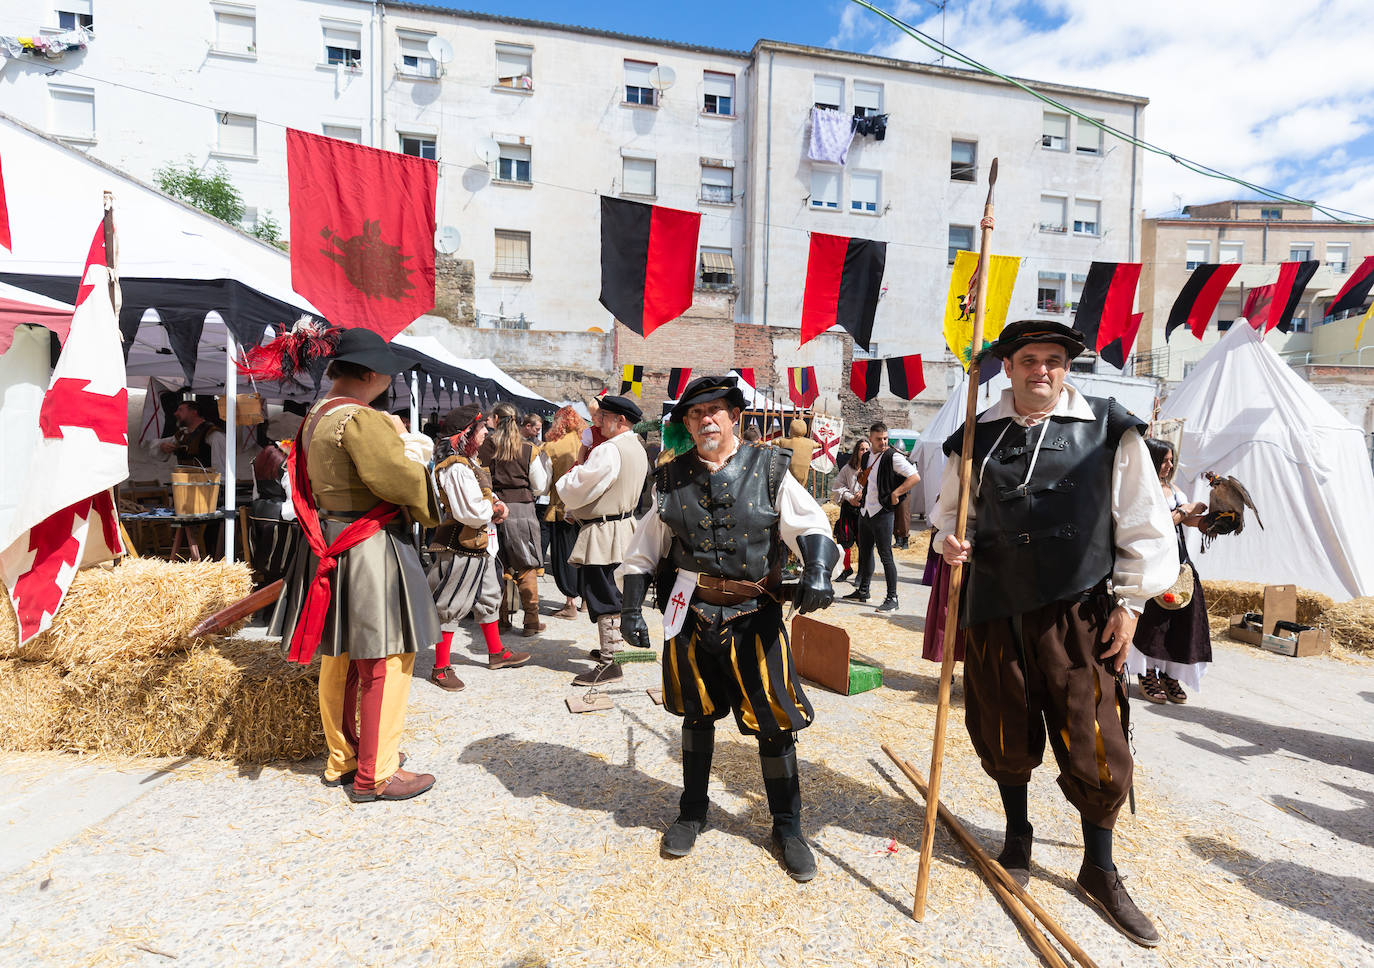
column 1226, row 598
column 224, row 699
column 832, row 511
column 141, row 609
column 1352, row 624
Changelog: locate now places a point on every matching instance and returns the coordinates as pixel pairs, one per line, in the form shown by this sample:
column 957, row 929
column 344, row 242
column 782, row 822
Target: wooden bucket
column 195, row 490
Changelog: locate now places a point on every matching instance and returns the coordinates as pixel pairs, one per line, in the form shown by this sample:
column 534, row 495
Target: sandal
column 1152, row 689
column 1172, row 690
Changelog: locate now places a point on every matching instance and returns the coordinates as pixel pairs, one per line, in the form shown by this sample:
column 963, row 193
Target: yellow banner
column 1359, row 330
column 959, row 308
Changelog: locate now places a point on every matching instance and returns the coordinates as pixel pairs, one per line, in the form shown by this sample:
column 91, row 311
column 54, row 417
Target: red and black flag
column 1199, row 297
column 4, row 216
column 1104, row 311
column 1119, row 348
column 844, row 278
column 1293, row 279
column 1256, row 309
column 1352, row 294
column 362, row 231
column 678, row 377
column 865, row 378
column 801, row 385
column 905, row 378
column 648, row 262
column 746, row 373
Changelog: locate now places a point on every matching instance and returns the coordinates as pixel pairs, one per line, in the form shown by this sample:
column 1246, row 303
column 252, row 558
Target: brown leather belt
column 728, row 591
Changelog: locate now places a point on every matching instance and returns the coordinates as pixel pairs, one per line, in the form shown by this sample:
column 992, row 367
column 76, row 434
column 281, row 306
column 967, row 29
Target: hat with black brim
column 623, row 406
column 366, row 348
column 1023, row 332
column 704, row 389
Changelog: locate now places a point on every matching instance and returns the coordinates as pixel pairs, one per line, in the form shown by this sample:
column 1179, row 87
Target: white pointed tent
column 1247, row 414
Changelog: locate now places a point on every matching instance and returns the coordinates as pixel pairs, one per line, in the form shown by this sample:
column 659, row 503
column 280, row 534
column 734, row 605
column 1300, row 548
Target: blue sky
column 1278, row 93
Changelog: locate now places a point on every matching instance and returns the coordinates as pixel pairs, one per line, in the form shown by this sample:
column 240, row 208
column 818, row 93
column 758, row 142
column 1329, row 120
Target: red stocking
column 442, row 650
column 493, row 638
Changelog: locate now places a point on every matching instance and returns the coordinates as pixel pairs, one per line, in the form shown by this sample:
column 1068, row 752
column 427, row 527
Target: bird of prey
column 1226, row 506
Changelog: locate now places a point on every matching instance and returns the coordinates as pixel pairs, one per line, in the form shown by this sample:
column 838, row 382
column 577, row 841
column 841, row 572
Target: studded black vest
column 1052, row 538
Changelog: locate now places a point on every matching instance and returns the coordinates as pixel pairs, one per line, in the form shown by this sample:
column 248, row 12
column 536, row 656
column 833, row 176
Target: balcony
column 1052, row 227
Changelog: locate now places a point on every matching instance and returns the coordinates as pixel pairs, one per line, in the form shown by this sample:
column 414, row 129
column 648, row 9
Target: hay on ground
column 1352, row 624
column 1225, row 598
column 142, row 608
column 224, row 699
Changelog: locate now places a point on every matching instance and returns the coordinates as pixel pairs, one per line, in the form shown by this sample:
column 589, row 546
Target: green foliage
column 211, row 192
column 268, row 229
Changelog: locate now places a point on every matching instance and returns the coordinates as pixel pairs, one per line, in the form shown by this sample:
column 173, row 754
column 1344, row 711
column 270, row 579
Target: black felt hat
column 365, row 347
column 460, row 419
column 704, row 389
column 1025, row 331
column 624, row 406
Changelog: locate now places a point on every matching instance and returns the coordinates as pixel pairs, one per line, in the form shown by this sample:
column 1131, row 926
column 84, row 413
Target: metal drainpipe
column 381, row 76
column 1135, row 121
column 372, row 79
column 768, row 187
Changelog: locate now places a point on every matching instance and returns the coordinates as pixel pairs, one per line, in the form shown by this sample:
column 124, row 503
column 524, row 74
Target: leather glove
column 819, row 554
column 632, row 626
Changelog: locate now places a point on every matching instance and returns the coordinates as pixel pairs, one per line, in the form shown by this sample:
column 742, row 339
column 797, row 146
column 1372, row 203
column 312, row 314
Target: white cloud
column 1267, row 90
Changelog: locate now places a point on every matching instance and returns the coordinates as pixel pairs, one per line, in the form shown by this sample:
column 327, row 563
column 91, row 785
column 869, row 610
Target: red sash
column 310, row 624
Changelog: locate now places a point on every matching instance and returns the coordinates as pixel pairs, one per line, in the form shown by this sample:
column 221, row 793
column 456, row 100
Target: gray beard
column 710, row 445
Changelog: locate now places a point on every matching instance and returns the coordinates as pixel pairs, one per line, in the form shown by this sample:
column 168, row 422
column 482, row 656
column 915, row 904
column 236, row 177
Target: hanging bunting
column 1103, row 312
column 632, row 380
column 678, row 378
column 865, row 378
column 1199, row 297
column 905, row 377
column 746, row 373
column 801, row 385
column 1288, row 289
column 844, row 278
column 959, row 303
column 648, row 262
column 1352, row 294
column 1119, row 350
column 4, row 214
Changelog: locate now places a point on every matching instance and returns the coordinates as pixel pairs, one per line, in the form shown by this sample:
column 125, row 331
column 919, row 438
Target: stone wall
column 454, row 290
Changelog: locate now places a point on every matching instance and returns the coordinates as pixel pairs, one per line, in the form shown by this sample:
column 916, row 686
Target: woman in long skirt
column 847, row 492
column 517, row 476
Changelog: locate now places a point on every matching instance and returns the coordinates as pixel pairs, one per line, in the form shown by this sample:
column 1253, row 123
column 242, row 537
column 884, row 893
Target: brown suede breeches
column 1063, row 691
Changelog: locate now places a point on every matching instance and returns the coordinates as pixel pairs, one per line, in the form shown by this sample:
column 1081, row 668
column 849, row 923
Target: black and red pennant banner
column 844, row 278
column 746, row 374
column 1256, row 308
column 648, row 262
column 678, row 378
column 865, row 376
column 1118, row 349
column 1103, row 314
column 1199, row 297
column 1293, row 279
column 1352, row 294
column 905, row 378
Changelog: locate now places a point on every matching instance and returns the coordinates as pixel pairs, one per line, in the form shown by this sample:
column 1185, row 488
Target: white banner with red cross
column 827, row 432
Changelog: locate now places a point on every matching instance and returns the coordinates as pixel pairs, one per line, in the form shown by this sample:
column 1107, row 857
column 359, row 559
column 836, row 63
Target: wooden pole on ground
column 918, row 910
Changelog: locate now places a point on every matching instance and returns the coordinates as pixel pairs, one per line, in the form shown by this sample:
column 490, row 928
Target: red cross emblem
column 828, row 449
column 678, row 602
column 70, row 404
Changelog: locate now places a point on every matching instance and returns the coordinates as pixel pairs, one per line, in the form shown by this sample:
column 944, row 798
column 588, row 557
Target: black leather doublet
column 1052, row 538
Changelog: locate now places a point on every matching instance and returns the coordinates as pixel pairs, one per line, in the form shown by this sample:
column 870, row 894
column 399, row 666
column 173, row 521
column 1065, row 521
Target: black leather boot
column 783, row 786
column 697, row 747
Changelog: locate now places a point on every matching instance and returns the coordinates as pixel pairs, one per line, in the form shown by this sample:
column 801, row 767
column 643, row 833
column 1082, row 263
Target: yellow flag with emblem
column 1359, row 330
column 959, row 304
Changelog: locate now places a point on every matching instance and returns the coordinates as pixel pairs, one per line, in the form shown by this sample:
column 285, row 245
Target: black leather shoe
column 796, row 856
column 679, row 838
column 1108, row 894
column 857, row 595
column 1016, row 854
column 845, row 575
column 888, row 605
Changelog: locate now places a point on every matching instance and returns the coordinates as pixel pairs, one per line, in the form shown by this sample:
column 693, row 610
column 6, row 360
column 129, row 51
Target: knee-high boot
column 698, row 744
column 778, row 759
column 529, row 598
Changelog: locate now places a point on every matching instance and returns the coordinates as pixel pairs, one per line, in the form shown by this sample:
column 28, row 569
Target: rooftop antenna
column 940, row 6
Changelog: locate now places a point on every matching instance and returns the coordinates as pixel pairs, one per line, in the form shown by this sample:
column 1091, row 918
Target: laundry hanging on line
column 831, row 134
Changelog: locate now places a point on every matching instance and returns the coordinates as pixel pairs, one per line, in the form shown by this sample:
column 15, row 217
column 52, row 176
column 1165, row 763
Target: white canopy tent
column 483, row 372
column 1248, row 415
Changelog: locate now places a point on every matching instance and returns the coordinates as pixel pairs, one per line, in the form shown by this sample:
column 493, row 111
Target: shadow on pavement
column 1259, row 738
column 1353, row 824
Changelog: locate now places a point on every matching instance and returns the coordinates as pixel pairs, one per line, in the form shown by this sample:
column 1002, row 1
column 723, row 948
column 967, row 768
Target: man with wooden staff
column 722, row 511
column 1070, row 537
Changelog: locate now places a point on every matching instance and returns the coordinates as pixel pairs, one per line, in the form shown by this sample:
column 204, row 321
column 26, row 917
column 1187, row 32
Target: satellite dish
column 441, row 50
column 488, row 149
column 447, row 240
column 661, row 78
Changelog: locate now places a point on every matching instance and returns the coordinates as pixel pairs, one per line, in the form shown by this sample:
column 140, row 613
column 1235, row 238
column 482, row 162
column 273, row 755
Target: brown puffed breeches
column 1062, row 691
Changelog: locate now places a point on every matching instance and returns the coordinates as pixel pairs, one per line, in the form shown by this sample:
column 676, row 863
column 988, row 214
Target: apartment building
column 1257, row 235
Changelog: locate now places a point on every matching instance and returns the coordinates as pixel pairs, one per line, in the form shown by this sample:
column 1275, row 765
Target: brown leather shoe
column 567, row 611
column 607, row 671
column 1107, row 893
column 347, row 778
column 401, row 785
column 530, row 631
column 1015, row 856
column 506, row 659
column 445, row 679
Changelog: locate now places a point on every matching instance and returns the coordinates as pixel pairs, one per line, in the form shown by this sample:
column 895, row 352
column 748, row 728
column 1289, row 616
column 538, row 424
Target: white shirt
column 215, row 438
column 587, row 481
column 846, row 484
column 1146, row 544
column 466, row 504
column 900, row 466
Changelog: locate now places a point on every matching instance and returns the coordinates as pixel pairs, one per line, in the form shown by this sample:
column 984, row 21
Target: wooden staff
column 918, row 909
column 1001, row 882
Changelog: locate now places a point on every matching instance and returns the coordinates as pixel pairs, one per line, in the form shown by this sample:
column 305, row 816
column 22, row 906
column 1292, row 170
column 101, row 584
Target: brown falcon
column 1226, row 506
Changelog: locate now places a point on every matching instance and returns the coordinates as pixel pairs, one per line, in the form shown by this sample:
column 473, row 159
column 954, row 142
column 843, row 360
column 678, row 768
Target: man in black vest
column 714, row 538
column 889, row 475
column 1071, row 536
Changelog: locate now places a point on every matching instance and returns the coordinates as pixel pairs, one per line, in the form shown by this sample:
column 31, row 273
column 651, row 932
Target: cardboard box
column 1280, row 605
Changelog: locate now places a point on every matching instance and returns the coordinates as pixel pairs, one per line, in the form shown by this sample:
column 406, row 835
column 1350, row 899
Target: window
column 415, row 59
column 717, row 268
column 1089, row 137
column 1300, row 252
column 868, row 99
column 343, row 44
column 1052, row 213
column 1076, row 283
column 238, row 135
column 1271, row 214
column 639, row 177
column 1087, row 217
column 638, row 88
column 512, row 254
column 1197, row 253
column 419, row 145
column 717, row 185
column 1338, row 256
column 515, row 66
column 343, row 132
column 1049, row 296
column 825, row 188
column 74, row 13
column 71, row 112
column 1299, row 324
column 236, row 31
column 1055, row 132
column 963, row 161
column 1227, row 312
column 960, row 240
column 1230, row 252
column 864, row 187
column 828, row 92
column 719, row 96
column 514, row 164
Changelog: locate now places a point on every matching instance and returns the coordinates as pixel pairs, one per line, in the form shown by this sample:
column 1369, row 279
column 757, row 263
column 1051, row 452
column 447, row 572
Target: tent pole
column 414, row 401
column 231, row 445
